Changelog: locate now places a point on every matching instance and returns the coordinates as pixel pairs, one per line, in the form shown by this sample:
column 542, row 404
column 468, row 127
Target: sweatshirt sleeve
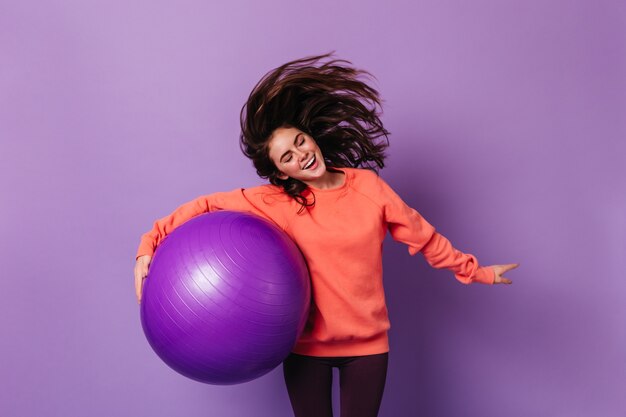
column 249, row 200
column 406, row 225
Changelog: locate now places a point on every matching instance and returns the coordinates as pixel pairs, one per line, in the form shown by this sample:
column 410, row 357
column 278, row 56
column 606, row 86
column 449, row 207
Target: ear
column 282, row 176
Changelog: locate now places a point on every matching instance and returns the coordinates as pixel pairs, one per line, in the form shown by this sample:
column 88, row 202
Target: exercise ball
column 226, row 297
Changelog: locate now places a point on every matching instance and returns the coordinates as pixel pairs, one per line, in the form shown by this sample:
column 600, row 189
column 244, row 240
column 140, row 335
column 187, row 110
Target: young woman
column 312, row 128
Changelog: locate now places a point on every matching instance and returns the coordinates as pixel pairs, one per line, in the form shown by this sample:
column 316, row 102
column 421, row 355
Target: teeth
column 309, row 163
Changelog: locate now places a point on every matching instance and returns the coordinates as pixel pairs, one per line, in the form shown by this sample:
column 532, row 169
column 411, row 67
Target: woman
column 311, row 127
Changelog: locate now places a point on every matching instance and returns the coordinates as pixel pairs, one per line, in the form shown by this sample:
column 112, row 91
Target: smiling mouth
column 310, row 163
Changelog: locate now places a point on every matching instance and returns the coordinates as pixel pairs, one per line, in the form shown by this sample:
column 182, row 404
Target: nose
column 302, row 155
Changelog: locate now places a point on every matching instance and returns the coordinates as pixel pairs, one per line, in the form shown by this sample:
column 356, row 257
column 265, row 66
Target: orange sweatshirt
column 341, row 239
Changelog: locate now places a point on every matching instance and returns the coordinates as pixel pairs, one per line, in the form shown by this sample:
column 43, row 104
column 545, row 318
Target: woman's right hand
column 141, row 271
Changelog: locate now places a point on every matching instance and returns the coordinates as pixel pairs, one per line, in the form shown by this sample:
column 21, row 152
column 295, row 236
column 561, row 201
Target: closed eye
column 298, row 142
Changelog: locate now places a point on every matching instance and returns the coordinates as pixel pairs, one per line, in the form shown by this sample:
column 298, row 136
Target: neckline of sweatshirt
column 347, row 180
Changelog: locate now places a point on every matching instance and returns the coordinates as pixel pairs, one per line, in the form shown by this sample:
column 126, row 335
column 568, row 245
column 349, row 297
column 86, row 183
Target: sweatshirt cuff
column 144, row 249
column 485, row 275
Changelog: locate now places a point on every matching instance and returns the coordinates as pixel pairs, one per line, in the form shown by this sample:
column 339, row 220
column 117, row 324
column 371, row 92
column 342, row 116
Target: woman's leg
column 309, row 384
column 362, row 382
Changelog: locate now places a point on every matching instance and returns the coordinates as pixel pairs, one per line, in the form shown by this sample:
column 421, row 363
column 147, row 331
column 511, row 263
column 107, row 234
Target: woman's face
column 296, row 155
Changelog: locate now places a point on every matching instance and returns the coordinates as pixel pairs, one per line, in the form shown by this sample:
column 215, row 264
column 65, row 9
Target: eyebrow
column 294, row 142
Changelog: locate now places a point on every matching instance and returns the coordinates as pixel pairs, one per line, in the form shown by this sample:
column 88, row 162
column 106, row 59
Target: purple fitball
column 226, row 297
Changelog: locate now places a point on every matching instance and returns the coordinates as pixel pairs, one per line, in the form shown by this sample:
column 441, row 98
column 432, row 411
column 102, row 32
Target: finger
column 508, row 267
column 137, row 292
column 138, row 282
column 501, row 269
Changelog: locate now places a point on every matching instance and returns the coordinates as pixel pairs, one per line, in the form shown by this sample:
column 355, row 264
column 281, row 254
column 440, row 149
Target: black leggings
column 361, row 382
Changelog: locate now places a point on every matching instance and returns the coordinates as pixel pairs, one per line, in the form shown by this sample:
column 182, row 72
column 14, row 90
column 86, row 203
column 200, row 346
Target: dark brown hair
column 327, row 101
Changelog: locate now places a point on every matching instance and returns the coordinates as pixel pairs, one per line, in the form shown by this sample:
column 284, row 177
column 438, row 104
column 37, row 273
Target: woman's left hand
column 500, row 270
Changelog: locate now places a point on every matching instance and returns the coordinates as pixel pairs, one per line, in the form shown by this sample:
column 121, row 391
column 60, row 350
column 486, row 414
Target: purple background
column 508, row 134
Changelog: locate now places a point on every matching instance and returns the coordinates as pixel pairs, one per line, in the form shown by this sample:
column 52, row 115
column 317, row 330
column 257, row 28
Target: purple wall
column 508, row 134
